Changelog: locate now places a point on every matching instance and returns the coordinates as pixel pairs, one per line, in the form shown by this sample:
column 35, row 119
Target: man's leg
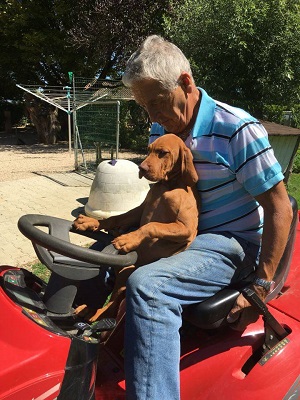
column 156, row 294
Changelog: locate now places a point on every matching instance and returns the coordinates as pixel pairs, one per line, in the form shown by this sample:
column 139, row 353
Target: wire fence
column 93, row 109
column 97, row 120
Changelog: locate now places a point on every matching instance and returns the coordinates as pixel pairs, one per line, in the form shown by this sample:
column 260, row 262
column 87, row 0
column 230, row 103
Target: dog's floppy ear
column 188, row 171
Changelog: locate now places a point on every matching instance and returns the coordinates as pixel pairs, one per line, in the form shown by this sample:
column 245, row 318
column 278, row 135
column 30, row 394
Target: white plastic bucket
column 116, row 189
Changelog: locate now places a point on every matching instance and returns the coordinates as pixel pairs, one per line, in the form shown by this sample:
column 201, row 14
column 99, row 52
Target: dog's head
column 169, row 159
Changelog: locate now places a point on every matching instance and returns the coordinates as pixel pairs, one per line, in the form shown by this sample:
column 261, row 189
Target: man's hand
column 84, row 223
column 242, row 313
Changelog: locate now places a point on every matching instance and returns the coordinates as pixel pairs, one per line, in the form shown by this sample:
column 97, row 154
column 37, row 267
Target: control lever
column 105, row 324
column 81, row 326
column 274, row 331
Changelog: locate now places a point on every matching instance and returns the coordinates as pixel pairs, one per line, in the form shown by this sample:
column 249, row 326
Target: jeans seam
column 152, row 305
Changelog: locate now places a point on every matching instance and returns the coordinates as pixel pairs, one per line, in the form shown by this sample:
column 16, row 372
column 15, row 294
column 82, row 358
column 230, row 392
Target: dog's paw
column 83, row 223
column 99, row 313
column 127, row 242
column 80, row 309
column 84, row 312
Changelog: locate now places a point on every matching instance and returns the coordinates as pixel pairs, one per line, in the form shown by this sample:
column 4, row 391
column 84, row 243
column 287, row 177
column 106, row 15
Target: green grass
column 293, row 187
column 41, row 271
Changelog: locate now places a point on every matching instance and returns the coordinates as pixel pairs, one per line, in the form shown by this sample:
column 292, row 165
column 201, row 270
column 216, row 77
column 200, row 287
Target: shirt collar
column 205, row 115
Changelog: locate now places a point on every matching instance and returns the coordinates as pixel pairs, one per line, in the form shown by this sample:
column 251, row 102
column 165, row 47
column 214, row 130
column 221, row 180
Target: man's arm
column 277, row 220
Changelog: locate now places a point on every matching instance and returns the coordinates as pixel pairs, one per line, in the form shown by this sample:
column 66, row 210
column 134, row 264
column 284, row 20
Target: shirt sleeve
column 252, row 159
column 156, row 131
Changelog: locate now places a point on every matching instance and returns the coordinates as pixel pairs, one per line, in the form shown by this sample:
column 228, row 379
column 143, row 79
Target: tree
column 42, row 40
column 108, row 31
column 245, row 52
column 34, row 49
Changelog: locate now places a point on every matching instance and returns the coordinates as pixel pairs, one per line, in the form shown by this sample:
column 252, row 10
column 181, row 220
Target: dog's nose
column 143, row 168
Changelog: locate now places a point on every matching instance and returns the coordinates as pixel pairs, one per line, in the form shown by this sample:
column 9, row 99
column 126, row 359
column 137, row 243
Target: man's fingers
column 240, row 304
column 233, row 317
column 241, row 314
column 247, row 316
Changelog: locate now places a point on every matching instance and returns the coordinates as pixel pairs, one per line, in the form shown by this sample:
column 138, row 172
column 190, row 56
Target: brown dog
column 167, row 219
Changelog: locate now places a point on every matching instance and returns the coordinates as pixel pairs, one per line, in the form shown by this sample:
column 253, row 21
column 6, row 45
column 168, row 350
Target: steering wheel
column 57, row 241
column 68, row 262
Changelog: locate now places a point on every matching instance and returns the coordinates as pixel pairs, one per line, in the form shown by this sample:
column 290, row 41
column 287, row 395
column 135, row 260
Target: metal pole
column 42, row 97
column 75, row 126
column 118, row 130
column 68, row 89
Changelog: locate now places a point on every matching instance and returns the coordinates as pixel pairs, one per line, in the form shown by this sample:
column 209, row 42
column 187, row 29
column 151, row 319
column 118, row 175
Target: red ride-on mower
column 47, row 354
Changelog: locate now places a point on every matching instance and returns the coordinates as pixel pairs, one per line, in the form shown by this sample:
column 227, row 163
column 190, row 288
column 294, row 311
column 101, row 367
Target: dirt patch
column 19, row 160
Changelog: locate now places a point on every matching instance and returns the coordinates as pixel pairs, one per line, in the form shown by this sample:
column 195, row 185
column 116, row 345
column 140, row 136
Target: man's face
column 169, row 109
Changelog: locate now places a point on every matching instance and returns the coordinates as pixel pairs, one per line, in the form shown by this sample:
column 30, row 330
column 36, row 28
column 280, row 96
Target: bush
column 296, row 164
column 134, row 127
column 275, row 113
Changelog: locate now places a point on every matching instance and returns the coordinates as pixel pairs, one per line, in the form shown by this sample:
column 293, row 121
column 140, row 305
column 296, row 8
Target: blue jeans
column 156, row 295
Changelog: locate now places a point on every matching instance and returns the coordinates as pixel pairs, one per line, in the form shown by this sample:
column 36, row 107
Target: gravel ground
column 21, row 161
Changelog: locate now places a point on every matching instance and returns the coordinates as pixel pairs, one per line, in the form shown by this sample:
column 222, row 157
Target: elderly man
column 244, row 222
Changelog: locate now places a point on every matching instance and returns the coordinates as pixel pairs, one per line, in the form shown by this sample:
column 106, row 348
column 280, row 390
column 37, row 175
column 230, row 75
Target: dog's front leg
column 117, row 295
column 129, row 241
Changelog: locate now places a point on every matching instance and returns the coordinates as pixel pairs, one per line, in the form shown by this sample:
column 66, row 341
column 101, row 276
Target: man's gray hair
column 158, row 59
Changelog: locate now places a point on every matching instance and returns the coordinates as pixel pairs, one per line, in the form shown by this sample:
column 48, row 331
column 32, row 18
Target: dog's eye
column 162, row 153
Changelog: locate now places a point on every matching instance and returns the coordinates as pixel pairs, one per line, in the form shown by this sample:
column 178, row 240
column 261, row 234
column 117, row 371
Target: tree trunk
column 44, row 116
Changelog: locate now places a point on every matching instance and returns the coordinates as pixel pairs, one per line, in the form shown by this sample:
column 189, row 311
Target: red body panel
column 32, row 360
column 289, row 303
column 213, row 370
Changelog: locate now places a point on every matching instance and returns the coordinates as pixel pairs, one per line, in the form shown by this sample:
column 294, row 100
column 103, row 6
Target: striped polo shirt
column 235, row 163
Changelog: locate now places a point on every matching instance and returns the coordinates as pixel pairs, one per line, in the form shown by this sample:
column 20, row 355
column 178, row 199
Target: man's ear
column 185, row 81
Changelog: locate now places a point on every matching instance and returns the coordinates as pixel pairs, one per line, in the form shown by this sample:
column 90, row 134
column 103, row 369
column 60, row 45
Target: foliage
column 275, row 113
column 244, row 52
column 33, row 45
column 295, row 115
column 40, row 270
column 42, row 40
column 108, row 31
column 296, row 165
column 293, row 186
column 134, row 127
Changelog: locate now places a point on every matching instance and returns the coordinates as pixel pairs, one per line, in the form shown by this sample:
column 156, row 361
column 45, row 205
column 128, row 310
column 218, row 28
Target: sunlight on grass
column 293, row 187
column 41, row 271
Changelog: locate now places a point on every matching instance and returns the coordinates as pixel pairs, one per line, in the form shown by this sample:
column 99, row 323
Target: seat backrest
column 212, row 312
column 285, row 262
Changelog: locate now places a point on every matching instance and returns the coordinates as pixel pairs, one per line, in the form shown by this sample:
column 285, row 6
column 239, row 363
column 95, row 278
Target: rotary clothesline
column 61, row 97
column 82, row 92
